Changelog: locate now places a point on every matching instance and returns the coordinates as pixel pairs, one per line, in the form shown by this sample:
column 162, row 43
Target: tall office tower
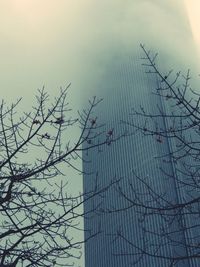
column 124, row 232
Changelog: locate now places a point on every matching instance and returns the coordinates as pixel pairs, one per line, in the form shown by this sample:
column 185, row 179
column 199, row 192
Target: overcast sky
column 54, row 42
column 51, row 43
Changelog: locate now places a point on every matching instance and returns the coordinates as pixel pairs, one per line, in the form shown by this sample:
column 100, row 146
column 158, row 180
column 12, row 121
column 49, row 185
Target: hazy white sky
column 48, row 42
column 38, row 44
column 193, row 9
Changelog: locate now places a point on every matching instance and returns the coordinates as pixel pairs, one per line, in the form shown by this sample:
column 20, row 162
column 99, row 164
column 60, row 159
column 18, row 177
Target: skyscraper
column 124, row 85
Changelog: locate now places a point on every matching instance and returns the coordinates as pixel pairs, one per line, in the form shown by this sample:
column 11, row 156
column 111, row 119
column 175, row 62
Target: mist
column 114, row 29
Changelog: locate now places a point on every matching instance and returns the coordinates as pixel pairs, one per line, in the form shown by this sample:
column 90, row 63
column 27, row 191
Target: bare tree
column 173, row 127
column 37, row 211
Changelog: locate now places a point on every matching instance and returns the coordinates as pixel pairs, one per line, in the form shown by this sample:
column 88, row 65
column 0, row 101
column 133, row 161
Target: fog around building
column 115, row 29
column 53, row 43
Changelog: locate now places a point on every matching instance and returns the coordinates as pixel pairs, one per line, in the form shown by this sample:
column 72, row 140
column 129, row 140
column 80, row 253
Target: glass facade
column 124, row 235
column 126, row 86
